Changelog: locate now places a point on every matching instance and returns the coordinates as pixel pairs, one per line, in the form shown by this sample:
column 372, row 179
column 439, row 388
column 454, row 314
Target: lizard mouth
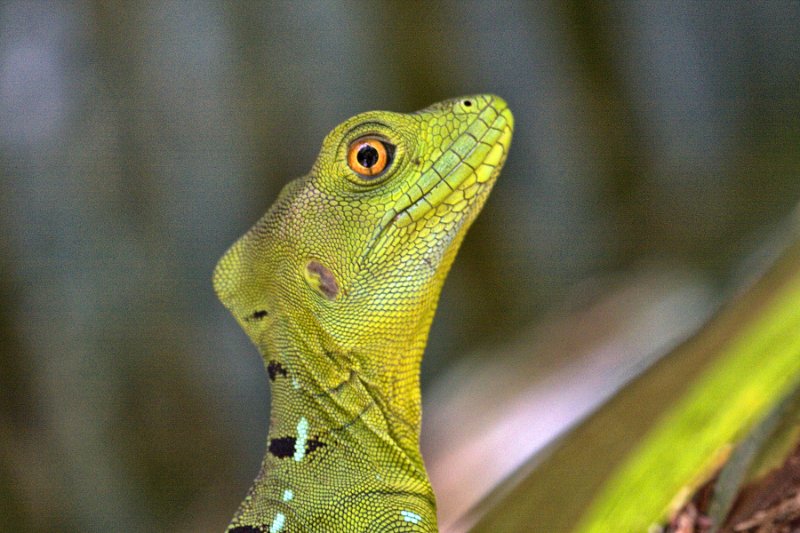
column 460, row 176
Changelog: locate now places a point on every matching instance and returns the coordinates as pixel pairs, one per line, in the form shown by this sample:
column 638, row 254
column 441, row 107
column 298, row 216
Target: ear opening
column 321, row 279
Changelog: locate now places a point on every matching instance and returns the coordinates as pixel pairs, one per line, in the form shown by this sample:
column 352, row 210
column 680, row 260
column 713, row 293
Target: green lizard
column 337, row 286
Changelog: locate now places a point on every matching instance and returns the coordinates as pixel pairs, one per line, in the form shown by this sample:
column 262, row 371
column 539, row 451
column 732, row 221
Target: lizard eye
column 369, row 157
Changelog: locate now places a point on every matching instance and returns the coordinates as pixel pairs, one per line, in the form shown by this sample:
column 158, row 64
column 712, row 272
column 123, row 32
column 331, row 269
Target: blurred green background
column 139, row 139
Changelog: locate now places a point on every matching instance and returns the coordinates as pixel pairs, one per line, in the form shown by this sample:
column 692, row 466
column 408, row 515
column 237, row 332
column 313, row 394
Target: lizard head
column 352, row 257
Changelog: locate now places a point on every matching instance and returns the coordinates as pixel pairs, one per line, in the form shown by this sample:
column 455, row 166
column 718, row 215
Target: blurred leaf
column 642, row 454
column 758, row 441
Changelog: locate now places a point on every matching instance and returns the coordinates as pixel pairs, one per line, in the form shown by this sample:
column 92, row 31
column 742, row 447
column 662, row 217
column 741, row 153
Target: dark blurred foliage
column 139, row 139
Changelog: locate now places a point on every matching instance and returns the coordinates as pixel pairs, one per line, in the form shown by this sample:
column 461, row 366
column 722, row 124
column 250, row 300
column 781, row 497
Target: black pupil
column 367, row 156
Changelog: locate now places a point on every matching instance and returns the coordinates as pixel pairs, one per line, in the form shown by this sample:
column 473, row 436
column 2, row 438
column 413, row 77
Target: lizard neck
column 345, row 401
column 337, row 435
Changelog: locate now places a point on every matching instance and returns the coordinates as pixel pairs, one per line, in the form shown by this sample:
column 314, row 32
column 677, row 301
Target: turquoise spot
column 277, row 524
column 302, row 437
column 287, row 495
column 408, row 516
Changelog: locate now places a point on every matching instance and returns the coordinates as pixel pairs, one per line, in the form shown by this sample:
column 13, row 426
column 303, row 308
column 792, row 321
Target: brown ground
column 768, row 505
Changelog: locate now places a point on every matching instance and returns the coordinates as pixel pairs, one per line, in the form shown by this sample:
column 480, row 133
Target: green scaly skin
column 337, row 286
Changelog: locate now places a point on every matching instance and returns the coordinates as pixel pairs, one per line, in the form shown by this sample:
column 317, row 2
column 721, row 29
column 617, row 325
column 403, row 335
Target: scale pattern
column 337, row 286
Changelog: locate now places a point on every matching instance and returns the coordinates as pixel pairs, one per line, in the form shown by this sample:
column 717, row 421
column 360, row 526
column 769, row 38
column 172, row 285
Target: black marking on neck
column 313, row 444
column 256, row 316
column 274, row 368
column 283, row 447
column 247, row 529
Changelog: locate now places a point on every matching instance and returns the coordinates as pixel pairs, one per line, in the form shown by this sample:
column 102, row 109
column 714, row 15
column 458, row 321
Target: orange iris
column 367, row 157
